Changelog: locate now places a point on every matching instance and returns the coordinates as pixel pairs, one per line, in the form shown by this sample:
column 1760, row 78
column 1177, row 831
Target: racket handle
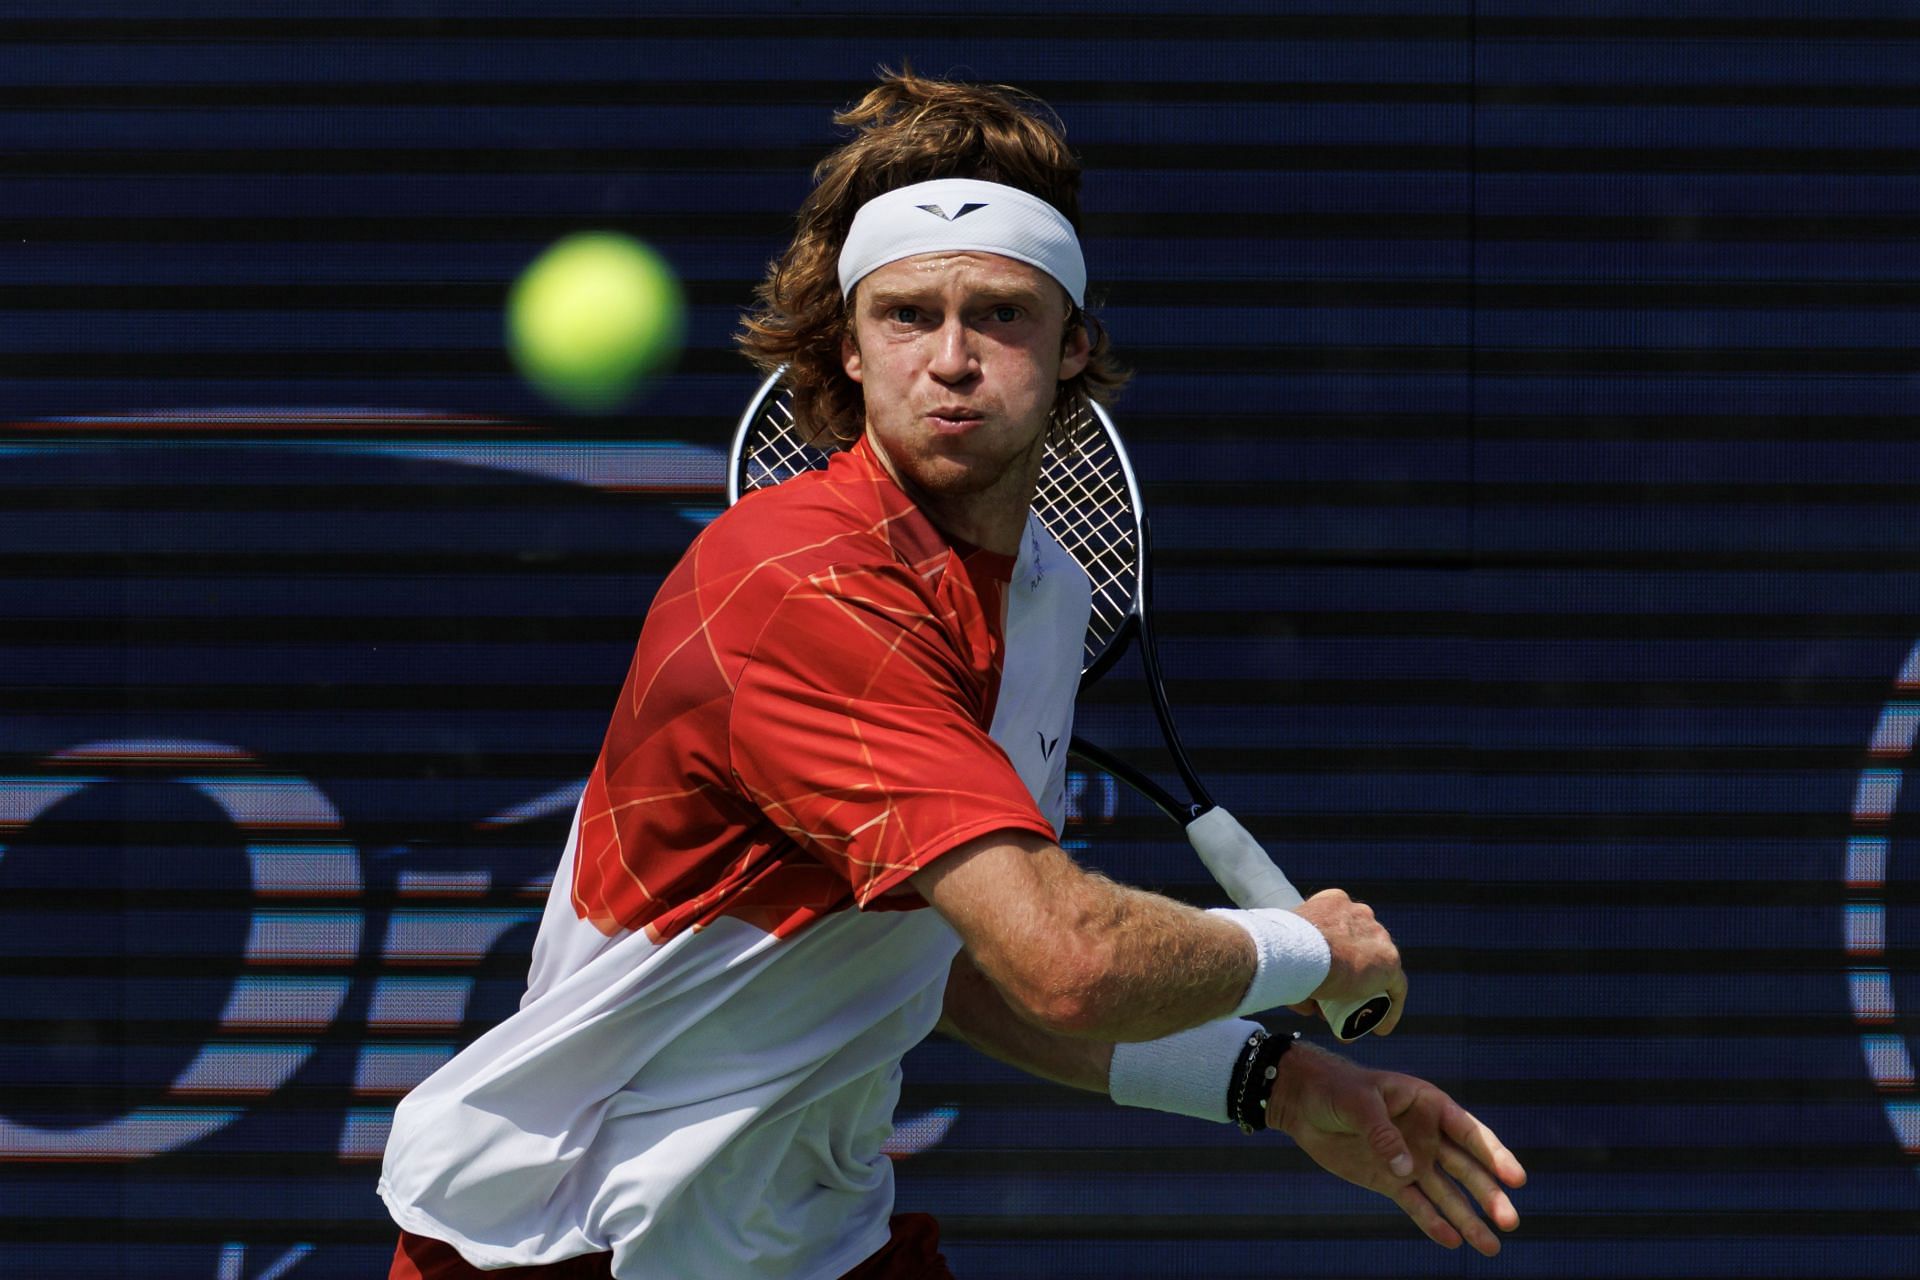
column 1237, row 861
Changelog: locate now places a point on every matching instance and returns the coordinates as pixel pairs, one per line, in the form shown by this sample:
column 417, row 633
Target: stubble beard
column 937, row 479
column 980, row 502
column 959, row 496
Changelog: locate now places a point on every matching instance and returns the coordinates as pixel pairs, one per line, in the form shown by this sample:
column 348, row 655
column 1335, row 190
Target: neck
column 993, row 518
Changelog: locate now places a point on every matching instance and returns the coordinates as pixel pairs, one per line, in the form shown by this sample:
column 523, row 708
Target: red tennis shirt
column 804, row 724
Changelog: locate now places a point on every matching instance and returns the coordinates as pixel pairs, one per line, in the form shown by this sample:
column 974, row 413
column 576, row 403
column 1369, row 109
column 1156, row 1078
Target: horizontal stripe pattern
column 1525, row 404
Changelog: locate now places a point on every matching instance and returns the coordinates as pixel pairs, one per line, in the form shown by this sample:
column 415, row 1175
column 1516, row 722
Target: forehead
column 961, row 270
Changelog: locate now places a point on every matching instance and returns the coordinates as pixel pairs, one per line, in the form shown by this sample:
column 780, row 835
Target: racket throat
column 1156, row 687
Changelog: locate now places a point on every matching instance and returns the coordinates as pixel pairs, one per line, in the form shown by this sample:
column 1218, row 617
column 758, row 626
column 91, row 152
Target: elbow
column 1070, row 994
column 1077, row 1017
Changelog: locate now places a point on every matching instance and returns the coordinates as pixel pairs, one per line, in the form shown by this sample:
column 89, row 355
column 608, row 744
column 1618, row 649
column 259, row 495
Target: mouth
column 949, row 418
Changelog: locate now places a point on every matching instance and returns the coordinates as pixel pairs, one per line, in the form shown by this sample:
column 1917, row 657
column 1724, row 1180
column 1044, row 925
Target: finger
column 1485, row 1145
column 1397, row 993
column 1389, row 1146
column 1445, row 1196
column 1474, row 1176
column 1414, row 1203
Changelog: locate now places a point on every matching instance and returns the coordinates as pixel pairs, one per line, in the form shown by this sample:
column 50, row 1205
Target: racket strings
column 775, row 451
column 1083, row 499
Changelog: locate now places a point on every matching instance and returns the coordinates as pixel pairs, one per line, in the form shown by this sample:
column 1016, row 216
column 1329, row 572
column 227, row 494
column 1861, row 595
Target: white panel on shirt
column 1047, row 606
column 716, row 1106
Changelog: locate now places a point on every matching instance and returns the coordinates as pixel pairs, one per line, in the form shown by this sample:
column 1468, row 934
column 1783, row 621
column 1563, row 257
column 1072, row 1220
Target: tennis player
column 825, row 816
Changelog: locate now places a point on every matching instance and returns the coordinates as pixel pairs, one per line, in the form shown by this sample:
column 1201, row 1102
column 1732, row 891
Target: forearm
column 1077, row 954
column 977, row 1013
column 1153, row 966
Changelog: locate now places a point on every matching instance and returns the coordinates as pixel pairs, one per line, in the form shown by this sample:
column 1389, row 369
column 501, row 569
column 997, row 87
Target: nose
column 952, row 359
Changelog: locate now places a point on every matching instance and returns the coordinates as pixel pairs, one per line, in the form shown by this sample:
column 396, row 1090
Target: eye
column 906, row 315
column 1006, row 314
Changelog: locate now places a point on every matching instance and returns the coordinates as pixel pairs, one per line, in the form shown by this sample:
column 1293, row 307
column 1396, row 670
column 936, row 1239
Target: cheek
column 891, row 362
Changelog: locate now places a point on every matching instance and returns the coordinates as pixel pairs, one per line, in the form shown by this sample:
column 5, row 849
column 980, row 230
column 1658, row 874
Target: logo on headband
column 942, row 214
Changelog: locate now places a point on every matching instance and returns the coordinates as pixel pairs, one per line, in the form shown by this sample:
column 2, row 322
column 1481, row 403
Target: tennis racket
column 1089, row 502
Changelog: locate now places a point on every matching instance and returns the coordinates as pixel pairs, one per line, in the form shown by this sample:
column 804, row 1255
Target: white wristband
column 1293, row 958
column 1188, row 1073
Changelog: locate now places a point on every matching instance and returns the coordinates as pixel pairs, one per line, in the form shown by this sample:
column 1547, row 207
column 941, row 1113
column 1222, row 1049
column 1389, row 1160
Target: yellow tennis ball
column 593, row 317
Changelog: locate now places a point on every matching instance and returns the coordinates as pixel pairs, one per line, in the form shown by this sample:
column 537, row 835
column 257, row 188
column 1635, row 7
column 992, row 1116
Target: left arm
column 976, row 1012
column 1403, row 1138
column 1392, row 1134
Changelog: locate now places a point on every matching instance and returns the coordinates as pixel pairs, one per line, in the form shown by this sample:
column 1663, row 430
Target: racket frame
column 1200, row 799
column 736, row 447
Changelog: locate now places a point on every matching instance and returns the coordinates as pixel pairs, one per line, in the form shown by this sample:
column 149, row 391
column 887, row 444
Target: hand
column 1365, row 961
column 1401, row 1137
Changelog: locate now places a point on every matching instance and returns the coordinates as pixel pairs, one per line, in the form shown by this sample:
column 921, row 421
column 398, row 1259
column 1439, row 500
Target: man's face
column 959, row 356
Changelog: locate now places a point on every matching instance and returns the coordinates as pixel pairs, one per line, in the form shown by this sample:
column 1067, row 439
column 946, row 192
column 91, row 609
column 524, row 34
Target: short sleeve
column 857, row 727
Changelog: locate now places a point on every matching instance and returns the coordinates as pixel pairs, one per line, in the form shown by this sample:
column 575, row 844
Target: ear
column 850, row 353
column 1075, row 351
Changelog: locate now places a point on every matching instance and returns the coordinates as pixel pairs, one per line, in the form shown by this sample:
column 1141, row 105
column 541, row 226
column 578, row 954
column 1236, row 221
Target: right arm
column 1075, row 953
column 867, row 751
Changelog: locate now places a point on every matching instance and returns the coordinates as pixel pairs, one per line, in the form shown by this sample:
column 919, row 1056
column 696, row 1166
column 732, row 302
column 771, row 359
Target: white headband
column 951, row 214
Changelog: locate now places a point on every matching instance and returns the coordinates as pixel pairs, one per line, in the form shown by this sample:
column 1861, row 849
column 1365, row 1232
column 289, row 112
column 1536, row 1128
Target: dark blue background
column 1526, row 401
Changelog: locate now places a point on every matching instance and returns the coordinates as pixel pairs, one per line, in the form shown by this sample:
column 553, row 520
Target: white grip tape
column 1243, row 868
column 1238, row 862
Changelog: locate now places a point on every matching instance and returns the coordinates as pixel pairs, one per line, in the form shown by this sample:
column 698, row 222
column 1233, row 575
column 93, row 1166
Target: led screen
column 1525, row 400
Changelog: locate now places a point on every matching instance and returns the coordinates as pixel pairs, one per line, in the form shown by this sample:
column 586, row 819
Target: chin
column 954, row 478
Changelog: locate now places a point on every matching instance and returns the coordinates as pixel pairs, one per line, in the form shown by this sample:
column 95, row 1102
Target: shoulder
column 798, row 549
column 846, row 520
column 774, row 541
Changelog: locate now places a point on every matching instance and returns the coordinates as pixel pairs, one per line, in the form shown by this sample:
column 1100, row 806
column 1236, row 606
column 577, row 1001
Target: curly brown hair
column 908, row 129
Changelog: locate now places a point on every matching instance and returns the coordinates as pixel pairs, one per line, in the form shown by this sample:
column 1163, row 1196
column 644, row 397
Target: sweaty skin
column 960, row 356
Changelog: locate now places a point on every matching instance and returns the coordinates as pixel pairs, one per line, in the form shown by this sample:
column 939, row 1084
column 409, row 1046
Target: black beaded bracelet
column 1253, row 1076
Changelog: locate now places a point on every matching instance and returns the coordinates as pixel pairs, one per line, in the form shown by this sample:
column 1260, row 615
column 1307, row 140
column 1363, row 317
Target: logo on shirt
column 1046, row 748
column 944, row 216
